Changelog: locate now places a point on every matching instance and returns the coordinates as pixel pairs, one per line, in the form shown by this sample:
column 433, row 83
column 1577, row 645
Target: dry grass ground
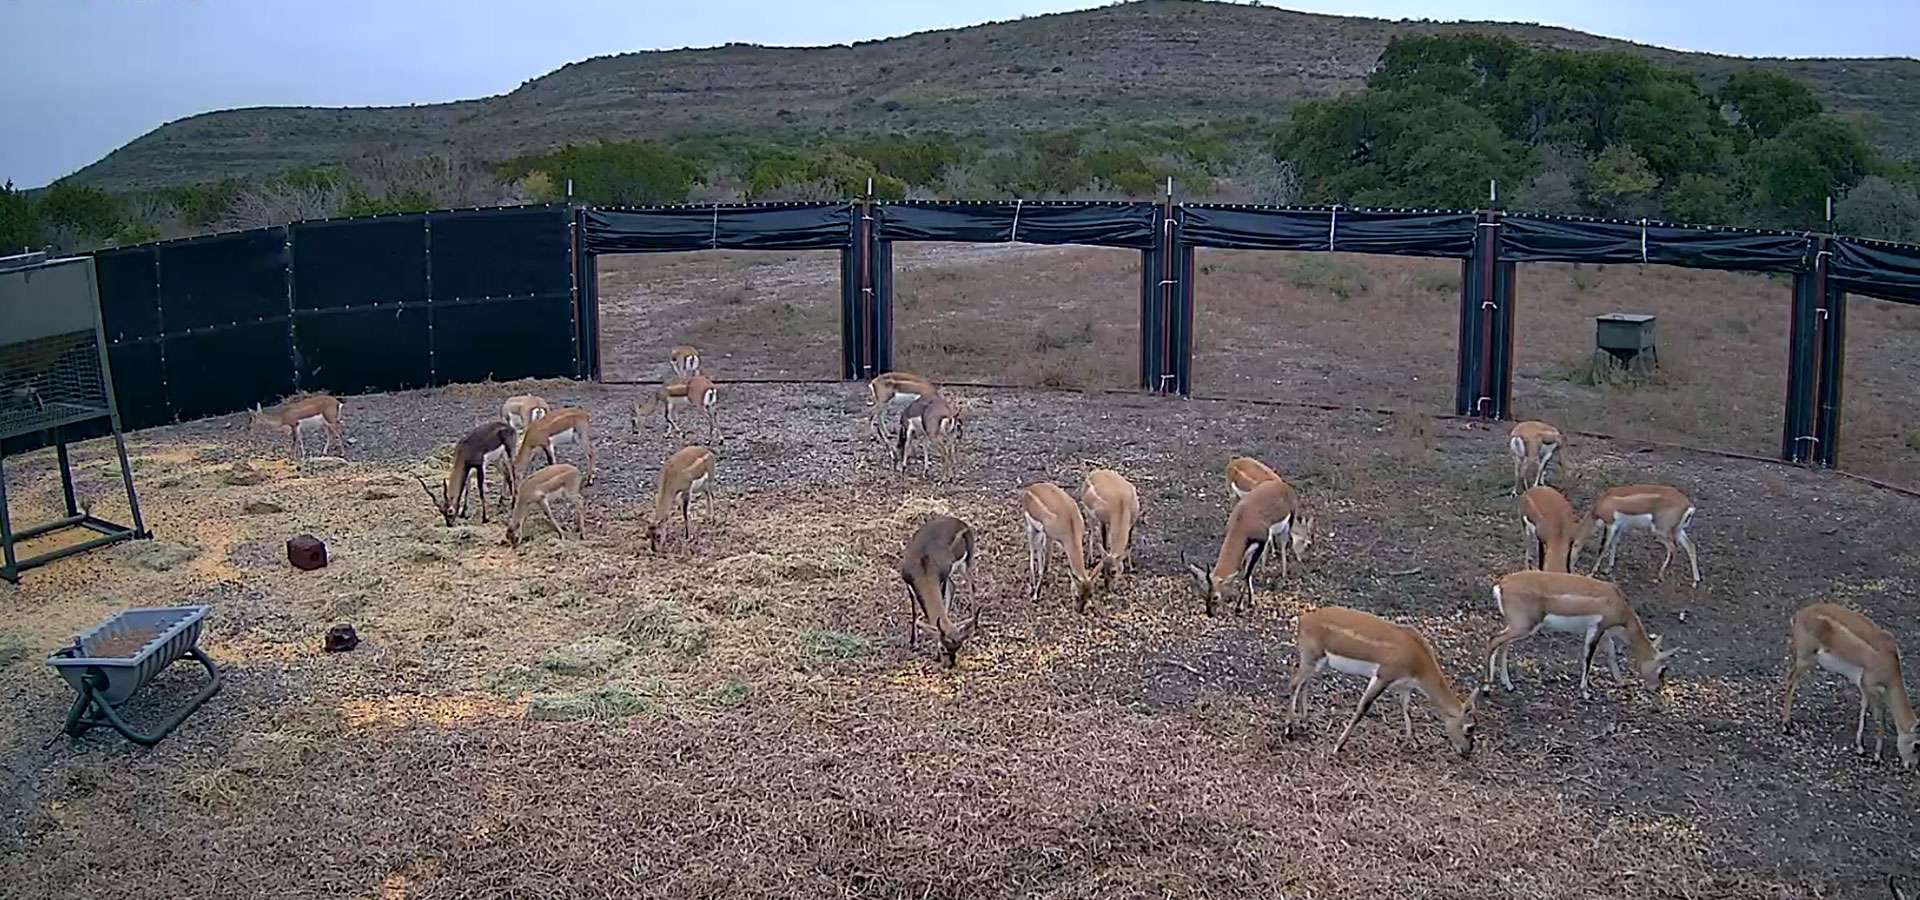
column 582, row 719
column 1322, row 328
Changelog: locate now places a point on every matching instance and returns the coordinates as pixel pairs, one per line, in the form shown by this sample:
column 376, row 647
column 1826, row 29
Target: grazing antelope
column 937, row 422
column 687, row 472
column 888, row 390
column 704, row 396
column 698, row 391
column 1266, row 513
column 1580, row 605
column 1532, row 444
column 1390, row 657
column 685, row 360
column 555, row 482
column 301, row 412
column 1850, row 644
column 491, row 442
column 1244, row 473
column 939, row 551
column 521, row 409
column 1553, row 529
column 1116, row 506
column 1656, row 507
column 560, row 426
column 1054, row 520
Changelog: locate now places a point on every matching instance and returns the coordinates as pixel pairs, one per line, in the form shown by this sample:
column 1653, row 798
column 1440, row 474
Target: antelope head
column 1203, row 582
column 440, row 502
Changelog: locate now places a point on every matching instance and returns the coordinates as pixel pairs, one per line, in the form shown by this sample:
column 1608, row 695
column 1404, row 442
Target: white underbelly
column 1279, row 530
column 568, row 436
column 1351, row 666
column 495, row 456
column 1573, row 624
column 1626, row 522
column 698, row 485
column 1840, row 666
column 312, row 422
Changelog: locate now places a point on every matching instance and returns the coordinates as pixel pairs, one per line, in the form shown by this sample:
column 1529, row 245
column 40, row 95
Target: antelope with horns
column 1390, row 657
column 889, row 390
column 936, row 421
column 1849, row 644
column 1053, row 520
column 1116, row 506
column 1576, row 604
column 1656, row 507
column 1532, row 445
column 522, row 409
column 560, row 426
column 555, row 482
column 1552, row 527
column 685, row 360
column 687, row 472
column 1244, row 473
column 491, row 442
column 305, row 411
column 1267, row 513
column 939, row 551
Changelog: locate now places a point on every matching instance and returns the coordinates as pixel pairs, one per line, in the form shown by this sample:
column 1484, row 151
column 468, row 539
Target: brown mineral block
column 306, row 552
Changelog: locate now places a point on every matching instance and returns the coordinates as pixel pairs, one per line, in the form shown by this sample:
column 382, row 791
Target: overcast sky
column 81, row 77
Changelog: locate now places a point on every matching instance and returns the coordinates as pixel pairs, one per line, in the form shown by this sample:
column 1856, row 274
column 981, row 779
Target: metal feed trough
column 1627, row 338
column 107, row 665
column 54, row 376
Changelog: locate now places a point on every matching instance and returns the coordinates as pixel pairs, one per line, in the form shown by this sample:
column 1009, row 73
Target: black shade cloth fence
column 210, row 325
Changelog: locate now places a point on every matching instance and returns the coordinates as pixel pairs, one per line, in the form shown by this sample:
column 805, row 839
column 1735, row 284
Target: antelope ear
column 1474, row 698
column 1664, row 655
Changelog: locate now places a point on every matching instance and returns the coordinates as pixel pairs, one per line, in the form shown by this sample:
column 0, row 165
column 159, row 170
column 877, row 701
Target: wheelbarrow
column 108, row 664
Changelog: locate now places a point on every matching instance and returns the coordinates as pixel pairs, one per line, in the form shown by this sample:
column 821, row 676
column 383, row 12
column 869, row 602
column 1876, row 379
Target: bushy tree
column 1767, row 102
column 88, row 212
column 1879, row 207
column 20, row 225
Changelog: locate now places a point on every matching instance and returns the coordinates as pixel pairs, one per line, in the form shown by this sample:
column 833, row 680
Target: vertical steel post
column 1796, row 430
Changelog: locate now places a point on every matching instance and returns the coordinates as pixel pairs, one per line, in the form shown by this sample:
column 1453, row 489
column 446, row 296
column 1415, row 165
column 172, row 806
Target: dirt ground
column 1323, row 328
column 579, row 718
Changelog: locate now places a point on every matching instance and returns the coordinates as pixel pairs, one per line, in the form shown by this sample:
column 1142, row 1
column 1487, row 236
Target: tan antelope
column 1390, row 657
column 561, row 426
column 555, row 482
column 520, row 409
column 1116, row 507
column 1574, row 604
column 687, row 472
column 305, row 411
column 1532, row 445
column 685, row 360
column 491, row 442
column 939, row 551
column 1849, row 644
column 1552, row 527
column 1244, row 473
column 698, row 391
column 888, row 390
column 1663, row 510
column 937, row 422
column 1267, row 513
column 1054, row 521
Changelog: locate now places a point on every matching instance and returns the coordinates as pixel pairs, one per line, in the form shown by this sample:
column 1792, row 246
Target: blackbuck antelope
column 521, row 409
column 1116, row 507
column 890, row 390
column 491, row 442
column 685, row 360
column 1552, row 527
column 305, row 411
column 1054, row 521
column 1575, row 604
column 937, row 422
column 1390, row 657
column 1244, row 473
column 561, row 426
column 555, row 482
column 1850, row 644
column 698, row 391
column 687, row 472
column 939, row 551
column 1532, row 445
column 1267, row 513
column 1656, row 507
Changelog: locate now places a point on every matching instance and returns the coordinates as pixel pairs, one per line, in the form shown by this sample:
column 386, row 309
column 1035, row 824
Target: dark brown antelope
column 940, row 551
column 491, row 442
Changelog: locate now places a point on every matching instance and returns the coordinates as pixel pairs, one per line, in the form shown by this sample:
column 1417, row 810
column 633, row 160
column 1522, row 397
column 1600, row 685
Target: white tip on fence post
column 1169, row 188
column 1493, row 190
column 1829, row 209
column 869, row 188
column 569, row 189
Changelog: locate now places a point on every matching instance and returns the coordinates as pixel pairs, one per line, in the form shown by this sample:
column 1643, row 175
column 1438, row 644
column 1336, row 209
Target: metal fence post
column 1797, row 440
column 1833, row 357
column 1485, row 327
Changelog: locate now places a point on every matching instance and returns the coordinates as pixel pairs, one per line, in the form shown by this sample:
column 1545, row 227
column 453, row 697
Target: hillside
column 1151, row 61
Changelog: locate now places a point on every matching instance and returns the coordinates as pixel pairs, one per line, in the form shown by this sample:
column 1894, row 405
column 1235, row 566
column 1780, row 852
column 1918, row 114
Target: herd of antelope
column 1548, row 594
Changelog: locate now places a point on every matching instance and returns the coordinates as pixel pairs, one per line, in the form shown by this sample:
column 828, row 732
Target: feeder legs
column 79, row 720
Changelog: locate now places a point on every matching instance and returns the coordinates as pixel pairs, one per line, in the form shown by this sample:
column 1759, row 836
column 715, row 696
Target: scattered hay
column 664, row 626
column 586, row 656
column 727, row 694
column 270, row 753
column 259, row 506
column 378, row 492
column 515, row 680
column 427, row 554
column 608, row 701
column 156, row 556
column 835, row 644
column 13, row 648
column 243, row 474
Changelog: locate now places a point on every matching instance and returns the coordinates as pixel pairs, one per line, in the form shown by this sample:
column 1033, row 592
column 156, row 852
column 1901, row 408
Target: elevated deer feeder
column 1627, row 338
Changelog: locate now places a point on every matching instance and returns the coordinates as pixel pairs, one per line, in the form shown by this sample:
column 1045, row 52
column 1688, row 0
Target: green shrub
column 613, row 172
